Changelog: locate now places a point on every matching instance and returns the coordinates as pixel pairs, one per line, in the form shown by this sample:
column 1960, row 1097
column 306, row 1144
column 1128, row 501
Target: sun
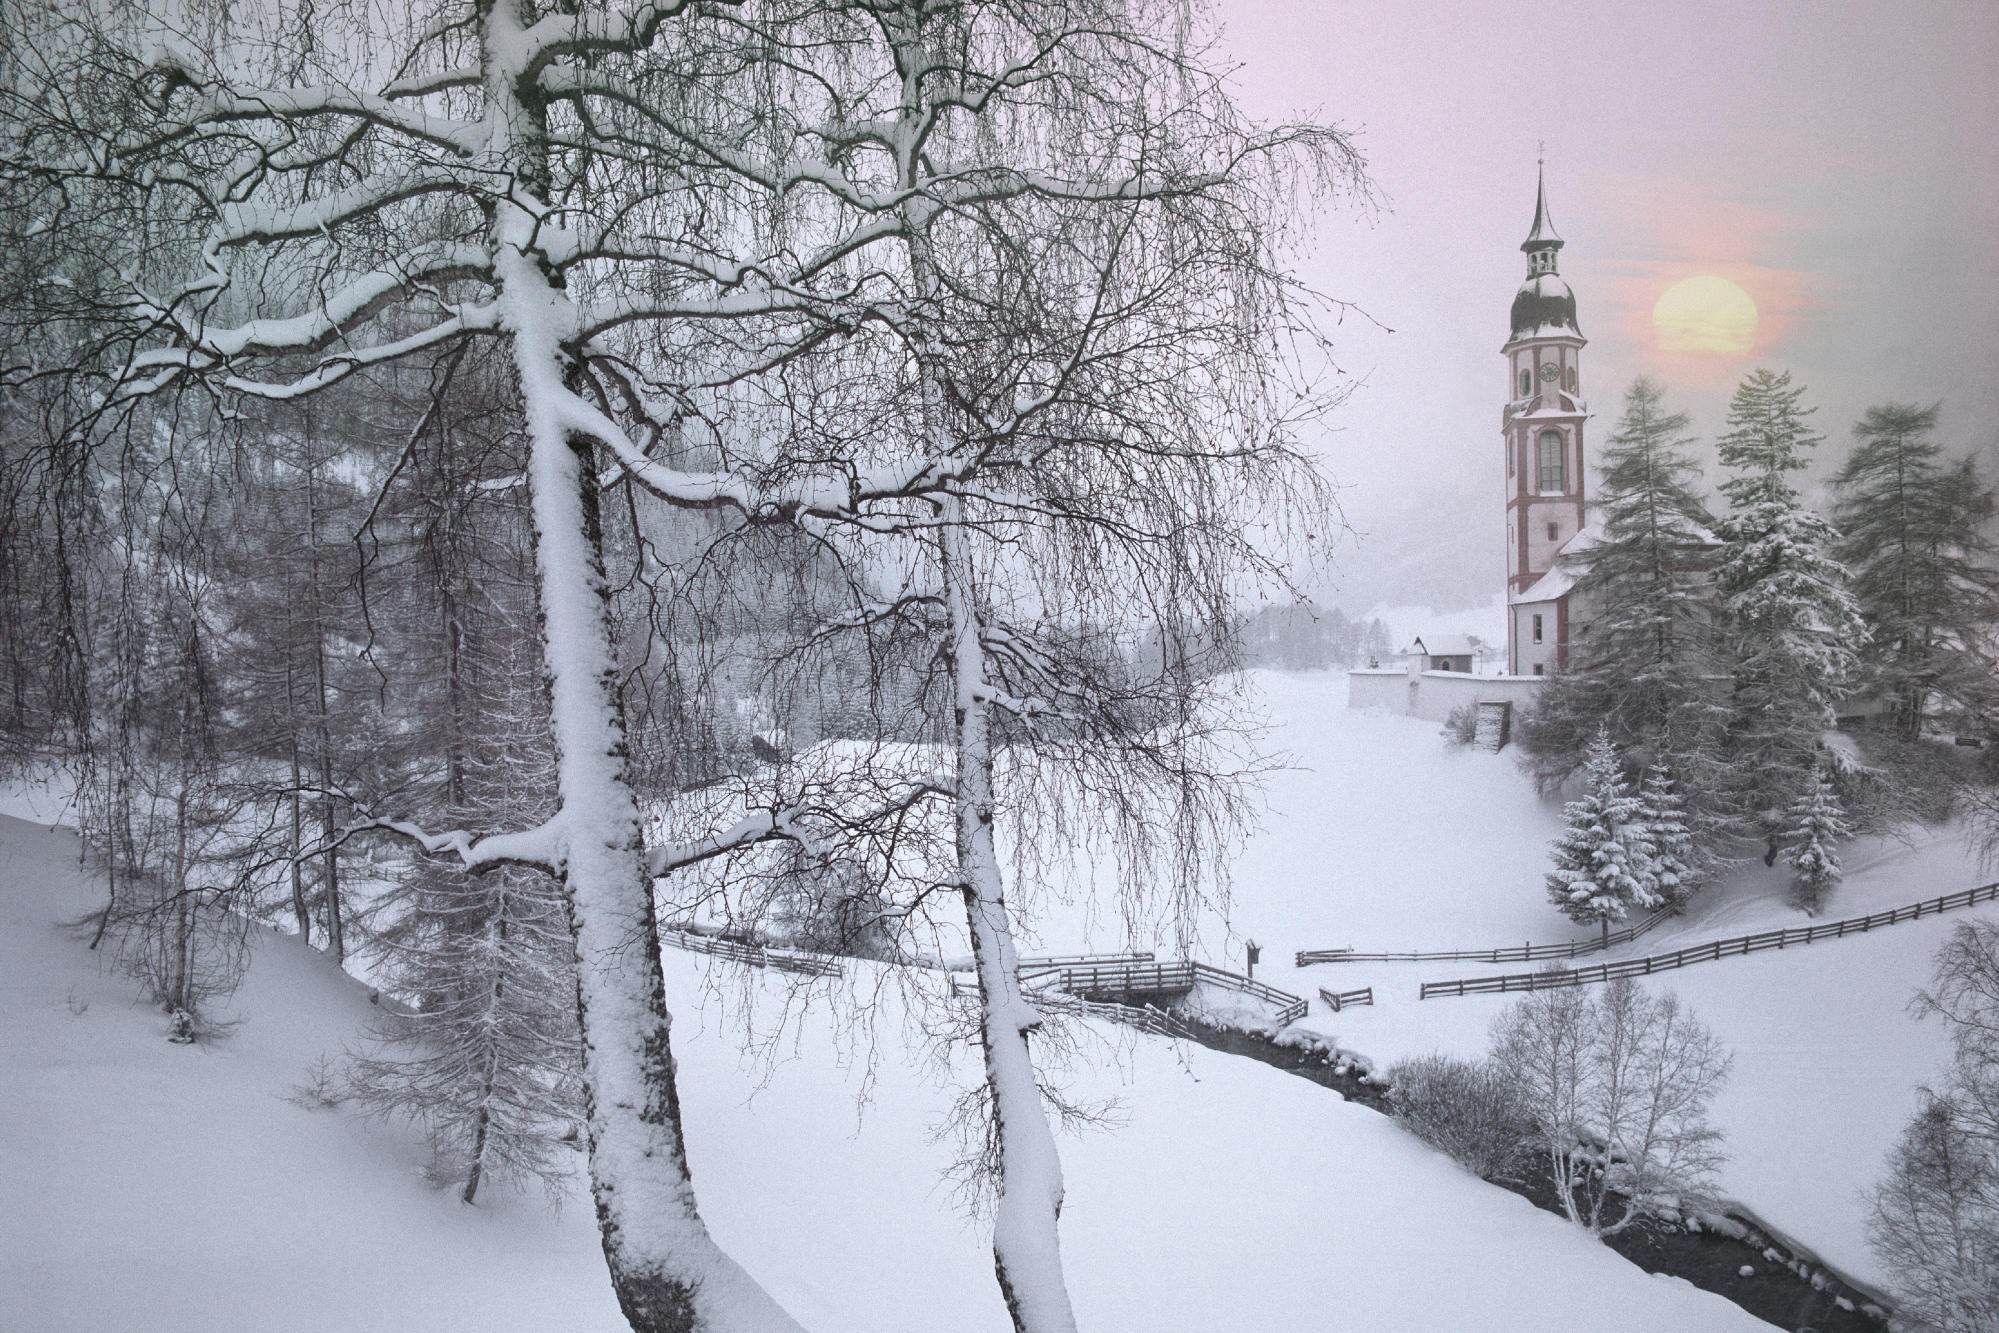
column 1705, row 314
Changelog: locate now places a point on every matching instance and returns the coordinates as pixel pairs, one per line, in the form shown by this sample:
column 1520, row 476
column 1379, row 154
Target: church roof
column 1444, row 645
column 1542, row 237
column 1562, row 575
column 1544, row 307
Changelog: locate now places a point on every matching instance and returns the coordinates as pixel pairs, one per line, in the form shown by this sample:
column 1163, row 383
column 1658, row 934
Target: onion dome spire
column 1541, row 242
column 1544, row 306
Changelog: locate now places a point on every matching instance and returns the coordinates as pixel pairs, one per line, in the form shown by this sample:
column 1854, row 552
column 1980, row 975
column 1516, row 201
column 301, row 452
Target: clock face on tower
column 1549, row 371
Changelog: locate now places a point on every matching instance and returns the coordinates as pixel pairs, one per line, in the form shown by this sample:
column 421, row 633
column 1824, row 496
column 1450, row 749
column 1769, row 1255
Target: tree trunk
column 496, row 935
column 669, row 1274
column 336, row 933
column 301, row 911
column 1027, row 1252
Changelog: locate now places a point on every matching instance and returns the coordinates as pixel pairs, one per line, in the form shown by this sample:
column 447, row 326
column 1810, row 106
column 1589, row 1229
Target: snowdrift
column 186, row 1189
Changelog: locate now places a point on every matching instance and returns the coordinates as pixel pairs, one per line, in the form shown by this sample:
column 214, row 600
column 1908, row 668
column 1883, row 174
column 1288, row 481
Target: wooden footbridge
column 1139, row 979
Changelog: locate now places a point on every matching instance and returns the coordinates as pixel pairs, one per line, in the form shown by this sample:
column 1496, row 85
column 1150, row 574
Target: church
column 1542, row 428
column 1541, row 432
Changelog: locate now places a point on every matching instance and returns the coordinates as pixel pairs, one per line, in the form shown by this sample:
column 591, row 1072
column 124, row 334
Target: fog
column 1837, row 161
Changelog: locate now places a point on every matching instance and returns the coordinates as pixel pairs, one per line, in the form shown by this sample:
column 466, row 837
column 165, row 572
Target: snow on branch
column 542, row 847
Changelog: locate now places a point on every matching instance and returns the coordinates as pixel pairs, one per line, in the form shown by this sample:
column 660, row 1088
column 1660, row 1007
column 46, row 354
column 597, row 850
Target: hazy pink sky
column 1839, row 161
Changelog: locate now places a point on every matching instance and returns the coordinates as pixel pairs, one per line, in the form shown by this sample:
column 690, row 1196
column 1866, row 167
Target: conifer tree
column 1792, row 625
column 1604, row 858
column 1818, row 826
column 1647, row 670
column 1678, row 862
column 1913, row 529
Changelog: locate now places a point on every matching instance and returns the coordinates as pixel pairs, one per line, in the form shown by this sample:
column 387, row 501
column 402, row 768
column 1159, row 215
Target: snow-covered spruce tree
column 1604, row 857
column 1915, row 533
column 1793, row 629
column 1679, row 863
column 1649, row 672
column 1811, row 844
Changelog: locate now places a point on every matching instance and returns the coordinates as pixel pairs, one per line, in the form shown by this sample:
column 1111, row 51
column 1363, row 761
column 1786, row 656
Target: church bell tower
column 1542, row 429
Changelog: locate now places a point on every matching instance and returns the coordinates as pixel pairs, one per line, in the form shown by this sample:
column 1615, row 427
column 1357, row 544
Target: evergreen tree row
column 1721, row 649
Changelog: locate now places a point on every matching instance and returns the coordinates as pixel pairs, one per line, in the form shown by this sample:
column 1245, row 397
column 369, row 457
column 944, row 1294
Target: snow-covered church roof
column 1562, row 575
column 1444, row 645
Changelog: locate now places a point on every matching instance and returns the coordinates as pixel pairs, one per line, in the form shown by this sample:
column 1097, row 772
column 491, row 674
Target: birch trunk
column 1027, row 1252
column 669, row 1274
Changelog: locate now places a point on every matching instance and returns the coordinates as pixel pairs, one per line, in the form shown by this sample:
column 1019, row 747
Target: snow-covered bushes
column 1617, row 1084
column 1935, row 1222
column 1461, row 727
column 1470, row 1109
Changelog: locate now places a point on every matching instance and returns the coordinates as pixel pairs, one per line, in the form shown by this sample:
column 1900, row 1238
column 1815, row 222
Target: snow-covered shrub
column 1470, row 1109
column 1935, row 1220
column 1461, row 727
column 1617, row 1084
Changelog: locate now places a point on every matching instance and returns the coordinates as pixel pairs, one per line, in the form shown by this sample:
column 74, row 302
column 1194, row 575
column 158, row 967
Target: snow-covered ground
column 1381, row 837
column 180, row 1188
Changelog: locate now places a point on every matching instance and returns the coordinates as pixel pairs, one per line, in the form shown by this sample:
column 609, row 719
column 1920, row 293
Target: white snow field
column 1382, row 836
column 179, row 1189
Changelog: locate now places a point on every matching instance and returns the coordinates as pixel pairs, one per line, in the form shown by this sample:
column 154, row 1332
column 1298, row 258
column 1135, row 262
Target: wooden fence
column 1738, row 946
column 783, row 960
column 1346, row 999
column 1516, row 953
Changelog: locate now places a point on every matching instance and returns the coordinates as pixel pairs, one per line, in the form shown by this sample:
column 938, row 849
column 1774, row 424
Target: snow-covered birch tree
column 1618, row 1085
column 1082, row 443
column 1045, row 219
column 304, row 203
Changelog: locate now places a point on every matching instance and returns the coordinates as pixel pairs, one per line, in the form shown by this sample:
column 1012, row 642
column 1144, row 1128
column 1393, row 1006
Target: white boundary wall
column 1432, row 695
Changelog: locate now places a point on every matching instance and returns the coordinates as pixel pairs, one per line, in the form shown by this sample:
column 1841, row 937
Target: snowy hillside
column 1381, row 836
column 183, row 1189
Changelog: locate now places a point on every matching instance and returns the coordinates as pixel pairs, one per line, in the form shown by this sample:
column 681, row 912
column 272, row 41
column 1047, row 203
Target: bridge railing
column 1102, row 976
column 1713, row 950
column 1513, row 953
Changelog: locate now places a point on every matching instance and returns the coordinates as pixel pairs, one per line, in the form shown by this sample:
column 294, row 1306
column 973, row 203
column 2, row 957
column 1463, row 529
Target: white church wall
column 1385, row 688
column 1435, row 695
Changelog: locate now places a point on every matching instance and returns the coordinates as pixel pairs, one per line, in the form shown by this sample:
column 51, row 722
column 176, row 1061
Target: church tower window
column 1526, row 382
column 1552, row 471
column 1572, row 379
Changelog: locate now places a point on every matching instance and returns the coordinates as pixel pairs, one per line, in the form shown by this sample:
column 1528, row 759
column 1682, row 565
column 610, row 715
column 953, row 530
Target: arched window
column 1552, row 481
column 1572, row 379
column 1526, row 382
